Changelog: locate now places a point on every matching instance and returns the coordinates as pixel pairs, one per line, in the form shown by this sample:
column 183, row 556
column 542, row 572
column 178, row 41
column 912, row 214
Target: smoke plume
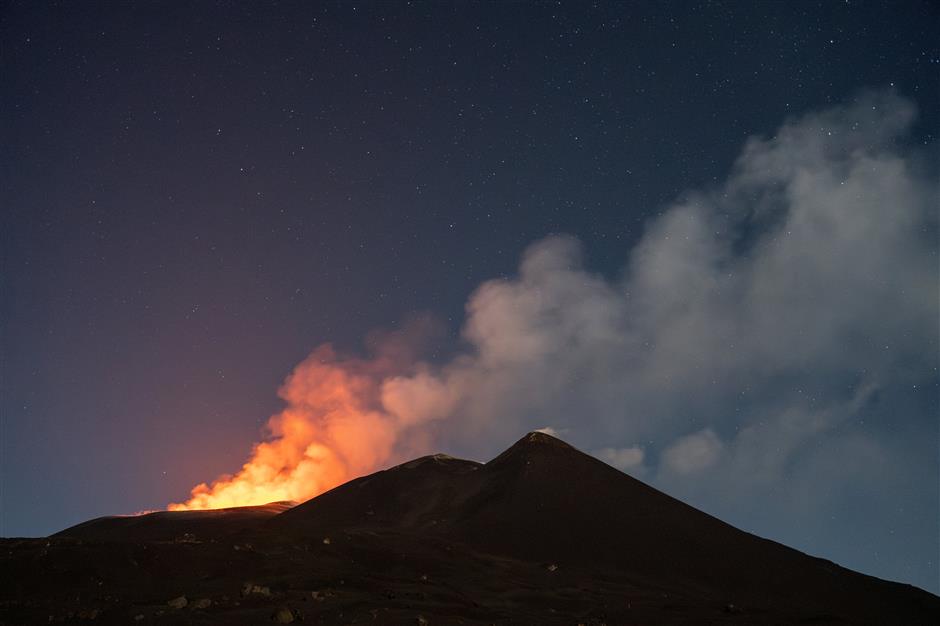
column 752, row 336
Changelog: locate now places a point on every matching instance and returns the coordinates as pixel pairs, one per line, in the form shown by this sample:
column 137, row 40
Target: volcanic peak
column 438, row 459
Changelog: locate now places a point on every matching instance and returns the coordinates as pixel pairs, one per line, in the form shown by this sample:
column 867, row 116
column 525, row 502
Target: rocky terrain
column 542, row 534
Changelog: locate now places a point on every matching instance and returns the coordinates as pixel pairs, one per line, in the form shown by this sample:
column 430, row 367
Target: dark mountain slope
column 170, row 525
column 414, row 495
column 544, row 501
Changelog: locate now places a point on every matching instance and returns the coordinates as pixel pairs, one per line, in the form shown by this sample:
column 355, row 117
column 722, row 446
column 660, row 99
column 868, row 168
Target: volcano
column 542, row 534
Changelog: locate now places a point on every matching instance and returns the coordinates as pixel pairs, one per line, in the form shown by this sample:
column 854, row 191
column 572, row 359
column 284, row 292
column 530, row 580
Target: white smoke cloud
column 625, row 459
column 693, row 453
column 810, row 272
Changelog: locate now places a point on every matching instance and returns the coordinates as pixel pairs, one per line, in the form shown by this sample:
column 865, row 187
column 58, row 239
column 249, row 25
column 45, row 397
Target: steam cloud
column 753, row 327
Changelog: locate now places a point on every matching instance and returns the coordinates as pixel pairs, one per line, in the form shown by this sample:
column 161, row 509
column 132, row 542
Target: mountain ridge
column 541, row 533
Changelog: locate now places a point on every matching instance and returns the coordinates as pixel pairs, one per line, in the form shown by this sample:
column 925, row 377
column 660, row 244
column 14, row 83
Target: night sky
column 197, row 195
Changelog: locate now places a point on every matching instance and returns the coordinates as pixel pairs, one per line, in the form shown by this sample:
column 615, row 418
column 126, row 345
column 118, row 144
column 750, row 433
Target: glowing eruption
column 728, row 290
column 332, row 430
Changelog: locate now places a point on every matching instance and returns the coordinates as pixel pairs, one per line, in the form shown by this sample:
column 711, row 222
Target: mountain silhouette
column 541, row 534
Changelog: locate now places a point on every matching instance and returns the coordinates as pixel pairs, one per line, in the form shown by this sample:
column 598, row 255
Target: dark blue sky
column 195, row 195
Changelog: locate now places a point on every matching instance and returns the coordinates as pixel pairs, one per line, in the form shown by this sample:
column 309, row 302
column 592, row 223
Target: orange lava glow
column 332, row 430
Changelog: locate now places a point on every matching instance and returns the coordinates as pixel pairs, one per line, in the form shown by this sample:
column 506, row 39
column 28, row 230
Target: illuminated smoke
column 332, row 430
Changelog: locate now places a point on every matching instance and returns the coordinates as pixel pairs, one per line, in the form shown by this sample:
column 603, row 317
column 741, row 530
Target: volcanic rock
column 178, row 603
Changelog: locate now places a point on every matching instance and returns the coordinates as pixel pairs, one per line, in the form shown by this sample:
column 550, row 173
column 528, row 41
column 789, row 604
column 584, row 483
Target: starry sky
column 196, row 195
